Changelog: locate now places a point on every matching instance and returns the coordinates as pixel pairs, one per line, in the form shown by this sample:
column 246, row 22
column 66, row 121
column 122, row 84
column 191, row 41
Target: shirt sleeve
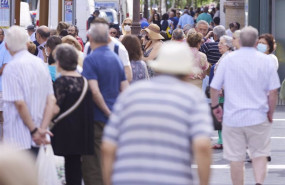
column 218, row 80
column 124, row 56
column 11, row 84
column 179, row 22
column 273, row 80
column 7, row 57
column 89, row 70
column 200, row 119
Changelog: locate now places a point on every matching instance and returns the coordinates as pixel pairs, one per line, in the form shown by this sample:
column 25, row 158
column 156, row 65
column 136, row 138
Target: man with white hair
column 155, row 132
column 178, row 35
column 27, row 94
column 203, row 28
column 249, row 105
column 106, row 77
column 211, row 49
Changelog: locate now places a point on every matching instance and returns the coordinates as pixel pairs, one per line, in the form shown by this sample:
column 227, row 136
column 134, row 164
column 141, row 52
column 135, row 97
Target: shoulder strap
column 116, row 49
column 75, row 105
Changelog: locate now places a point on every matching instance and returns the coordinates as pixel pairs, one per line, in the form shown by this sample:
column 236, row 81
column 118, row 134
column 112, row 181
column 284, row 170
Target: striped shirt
column 26, row 78
column 211, row 49
column 152, row 125
column 247, row 76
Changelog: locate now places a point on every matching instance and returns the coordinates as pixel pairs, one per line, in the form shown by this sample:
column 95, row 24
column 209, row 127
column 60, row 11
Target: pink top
column 201, row 64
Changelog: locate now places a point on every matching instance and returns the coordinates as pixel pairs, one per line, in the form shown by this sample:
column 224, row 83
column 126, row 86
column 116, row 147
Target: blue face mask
column 262, row 47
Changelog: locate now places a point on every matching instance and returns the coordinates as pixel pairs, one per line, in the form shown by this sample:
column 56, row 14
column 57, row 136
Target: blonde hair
column 126, row 19
column 72, row 41
column 17, row 167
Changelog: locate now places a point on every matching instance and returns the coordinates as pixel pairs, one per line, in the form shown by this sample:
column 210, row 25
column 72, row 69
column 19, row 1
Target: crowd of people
column 131, row 109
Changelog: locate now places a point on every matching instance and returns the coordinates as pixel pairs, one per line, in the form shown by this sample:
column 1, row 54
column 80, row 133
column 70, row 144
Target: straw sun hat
column 153, row 31
column 174, row 58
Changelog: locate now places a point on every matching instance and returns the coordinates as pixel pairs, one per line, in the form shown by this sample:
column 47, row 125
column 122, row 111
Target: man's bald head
column 44, row 32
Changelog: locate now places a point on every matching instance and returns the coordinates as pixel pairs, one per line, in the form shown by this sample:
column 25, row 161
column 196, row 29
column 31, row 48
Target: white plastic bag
column 47, row 174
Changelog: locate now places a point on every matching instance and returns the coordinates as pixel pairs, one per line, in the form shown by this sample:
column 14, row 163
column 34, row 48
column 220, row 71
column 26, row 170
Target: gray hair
column 202, row 22
column 178, row 34
column 98, row 33
column 248, row 36
column 66, row 56
column 219, row 31
column 228, row 40
column 16, row 38
column 237, row 34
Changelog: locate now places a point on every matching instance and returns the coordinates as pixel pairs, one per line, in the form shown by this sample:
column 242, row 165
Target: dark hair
column 52, row 42
column 133, row 46
column 63, row 33
column 2, row 31
column 43, row 34
column 194, row 39
column 217, row 20
column 206, row 9
column 238, row 25
column 76, row 28
column 165, row 17
column 61, row 26
column 66, row 56
column 270, row 41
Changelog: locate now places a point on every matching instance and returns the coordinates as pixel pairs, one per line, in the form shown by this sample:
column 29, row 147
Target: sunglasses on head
column 125, row 24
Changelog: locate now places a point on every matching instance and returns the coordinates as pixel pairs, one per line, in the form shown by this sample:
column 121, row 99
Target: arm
column 98, row 98
column 108, row 155
column 272, row 99
column 124, row 85
column 50, row 111
column 2, row 69
column 128, row 72
column 202, row 153
column 218, row 111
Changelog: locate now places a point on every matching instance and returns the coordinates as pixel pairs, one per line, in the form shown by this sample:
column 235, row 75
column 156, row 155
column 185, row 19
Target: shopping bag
column 47, row 174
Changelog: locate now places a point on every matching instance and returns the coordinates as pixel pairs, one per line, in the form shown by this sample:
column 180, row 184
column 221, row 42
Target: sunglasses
column 125, row 24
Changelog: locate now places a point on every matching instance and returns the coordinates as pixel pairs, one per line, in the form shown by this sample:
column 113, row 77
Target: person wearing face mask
column 126, row 28
column 52, row 42
column 267, row 45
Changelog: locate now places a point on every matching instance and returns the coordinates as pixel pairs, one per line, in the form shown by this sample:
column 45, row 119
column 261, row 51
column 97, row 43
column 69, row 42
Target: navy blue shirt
column 212, row 52
column 175, row 21
column 104, row 66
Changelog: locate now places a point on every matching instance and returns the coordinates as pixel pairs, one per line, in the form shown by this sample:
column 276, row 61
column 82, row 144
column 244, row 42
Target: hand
column 210, row 34
column 218, row 112
column 270, row 117
column 39, row 137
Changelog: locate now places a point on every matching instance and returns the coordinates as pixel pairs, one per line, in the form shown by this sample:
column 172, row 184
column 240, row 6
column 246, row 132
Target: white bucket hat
column 174, row 58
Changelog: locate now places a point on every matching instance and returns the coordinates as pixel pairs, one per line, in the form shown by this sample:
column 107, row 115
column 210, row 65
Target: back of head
column 206, row 9
column 194, row 39
column 16, row 167
column 72, row 41
column 165, row 17
column 133, row 46
column 43, row 31
column 62, row 26
column 217, row 20
column 248, row 36
column 98, row 33
column 16, row 38
column 219, row 31
column 178, row 34
column 100, row 20
column 53, row 41
column 66, row 56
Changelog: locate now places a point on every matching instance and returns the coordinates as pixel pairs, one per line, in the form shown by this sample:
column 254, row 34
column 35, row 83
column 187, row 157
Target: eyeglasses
column 129, row 24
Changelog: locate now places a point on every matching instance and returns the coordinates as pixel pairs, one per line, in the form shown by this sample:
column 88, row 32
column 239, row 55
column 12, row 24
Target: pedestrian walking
column 249, row 105
column 27, row 94
column 73, row 134
column 105, row 74
column 185, row 19
column 155, row 131
column 126, row 28
column 205, row 16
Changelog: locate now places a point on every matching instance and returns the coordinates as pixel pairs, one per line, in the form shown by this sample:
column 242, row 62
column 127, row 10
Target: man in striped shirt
column 211, row 49
column 156, row 127
column 27, row 94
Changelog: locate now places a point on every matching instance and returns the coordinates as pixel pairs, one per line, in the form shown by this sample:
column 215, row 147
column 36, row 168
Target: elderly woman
column 51, row 43
column 74, row 42
column 266, row 44
column 73, row 135
column 126, row 28
column 194, row 40
column 133, row 46
column 225, row 47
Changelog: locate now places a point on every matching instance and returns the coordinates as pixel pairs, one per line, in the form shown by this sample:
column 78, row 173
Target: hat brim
column 153, row 35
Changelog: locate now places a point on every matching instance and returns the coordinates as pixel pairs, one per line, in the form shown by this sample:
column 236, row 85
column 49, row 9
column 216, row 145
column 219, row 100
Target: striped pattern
column 26, row 78
column 152, row 126
column 247, row 76
column 211, row 49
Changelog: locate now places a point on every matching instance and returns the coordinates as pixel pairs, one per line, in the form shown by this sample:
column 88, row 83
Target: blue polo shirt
column 104, row 66
column 5, row 57
column 185, row 19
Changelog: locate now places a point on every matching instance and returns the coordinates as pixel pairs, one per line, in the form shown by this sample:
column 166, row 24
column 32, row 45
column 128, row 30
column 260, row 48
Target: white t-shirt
column 229, row 33
column 275, row 59
column 123, row 53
